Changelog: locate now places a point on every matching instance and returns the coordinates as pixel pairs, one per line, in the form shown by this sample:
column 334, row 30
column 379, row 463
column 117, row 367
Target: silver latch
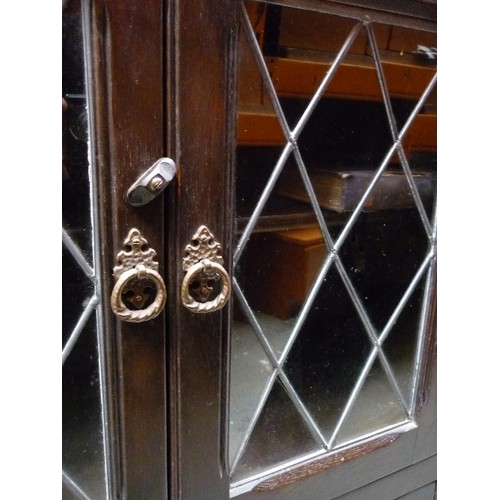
column 152, row 182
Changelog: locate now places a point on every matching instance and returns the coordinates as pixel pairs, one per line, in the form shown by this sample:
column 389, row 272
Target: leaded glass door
column 85, row 454
column 114, row 372
column 335, row 244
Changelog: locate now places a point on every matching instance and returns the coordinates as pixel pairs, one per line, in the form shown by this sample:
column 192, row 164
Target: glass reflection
column 328, row 298
column 329, row 353
column 83, row 450
column 279, row 433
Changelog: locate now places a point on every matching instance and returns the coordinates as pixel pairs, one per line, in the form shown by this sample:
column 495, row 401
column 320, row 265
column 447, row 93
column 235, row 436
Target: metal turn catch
column 204, row 269
column 152, row 182
column 139, row 293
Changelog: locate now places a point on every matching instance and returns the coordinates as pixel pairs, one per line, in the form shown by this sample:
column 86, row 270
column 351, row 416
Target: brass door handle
column 204, row 268
column 203, row 265
column 139, row 293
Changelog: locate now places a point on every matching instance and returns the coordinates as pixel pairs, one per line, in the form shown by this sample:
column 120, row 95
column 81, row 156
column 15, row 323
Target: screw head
column 156, row 183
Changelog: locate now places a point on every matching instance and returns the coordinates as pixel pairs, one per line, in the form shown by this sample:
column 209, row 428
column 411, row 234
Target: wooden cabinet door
column 114, row 371
column 316, row 379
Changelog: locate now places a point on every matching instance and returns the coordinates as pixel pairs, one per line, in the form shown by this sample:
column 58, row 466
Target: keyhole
column 139, row 294
column 202, row 288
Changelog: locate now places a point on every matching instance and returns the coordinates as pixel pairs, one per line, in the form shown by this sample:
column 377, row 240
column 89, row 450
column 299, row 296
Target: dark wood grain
column 127, row 84
column 341, row 457
column 200, row 135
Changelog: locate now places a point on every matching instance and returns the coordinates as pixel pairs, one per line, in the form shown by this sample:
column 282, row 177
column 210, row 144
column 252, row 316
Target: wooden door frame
column 127, row 117
column 200, row 137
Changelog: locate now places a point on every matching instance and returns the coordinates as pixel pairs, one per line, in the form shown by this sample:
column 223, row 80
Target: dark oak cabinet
column 294, row 353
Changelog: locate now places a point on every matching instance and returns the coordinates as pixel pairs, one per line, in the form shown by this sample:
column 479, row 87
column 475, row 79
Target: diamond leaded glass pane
column 334, row 255
column 83, row 430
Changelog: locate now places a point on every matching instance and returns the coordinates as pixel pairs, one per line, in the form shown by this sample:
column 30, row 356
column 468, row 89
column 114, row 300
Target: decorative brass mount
column 203, row 265
column 135, row 273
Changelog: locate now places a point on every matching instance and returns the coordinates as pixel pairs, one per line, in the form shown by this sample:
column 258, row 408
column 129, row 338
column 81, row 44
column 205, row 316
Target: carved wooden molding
column 320, row 465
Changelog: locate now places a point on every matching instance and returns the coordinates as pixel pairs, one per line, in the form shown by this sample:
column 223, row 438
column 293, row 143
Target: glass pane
column 382, row 253
column 400, row 346
column 249, row 362
column 75, row 168
column 77, row 291
column 328, row 355
column 83, row 445
column 377, row 406
column 335, row 193
column 83, row 440
column 279, row 434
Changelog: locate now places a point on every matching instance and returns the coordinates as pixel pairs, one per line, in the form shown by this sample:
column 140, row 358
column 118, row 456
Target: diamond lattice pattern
column 322, row 364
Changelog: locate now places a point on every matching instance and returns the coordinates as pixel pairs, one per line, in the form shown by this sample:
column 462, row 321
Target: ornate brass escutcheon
column 203, row 265
column 139, row 293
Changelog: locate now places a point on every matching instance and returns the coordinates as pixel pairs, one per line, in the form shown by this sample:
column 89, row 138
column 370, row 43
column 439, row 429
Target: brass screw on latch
column 155, row 183
column 152, row 182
